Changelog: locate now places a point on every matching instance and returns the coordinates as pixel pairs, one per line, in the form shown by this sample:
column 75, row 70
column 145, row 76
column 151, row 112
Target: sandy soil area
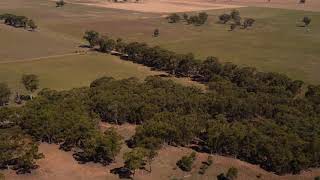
column 169, row 6
column 310, row 5
column 159, row 6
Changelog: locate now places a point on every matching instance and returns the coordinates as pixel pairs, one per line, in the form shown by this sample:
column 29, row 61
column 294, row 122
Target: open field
column 77, row 70
column 158, row 6
column 275, row 43
column 166, row 6
column 60, row 165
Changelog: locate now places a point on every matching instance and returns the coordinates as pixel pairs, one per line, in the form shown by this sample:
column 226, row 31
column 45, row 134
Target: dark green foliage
column 4, row 94
column 18, row 21
column 186, row 162
column 174, row 18
column 106, row 44
column 64, row 118
column 317, row 178
column 135, row 159
column 18, row 151
column 270, row 105
column 92, row 37
column 30, row 82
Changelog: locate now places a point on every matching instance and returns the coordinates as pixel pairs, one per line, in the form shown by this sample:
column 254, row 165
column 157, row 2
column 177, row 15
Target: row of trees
column 18, row 21
column 198, row 20
column 186, row 65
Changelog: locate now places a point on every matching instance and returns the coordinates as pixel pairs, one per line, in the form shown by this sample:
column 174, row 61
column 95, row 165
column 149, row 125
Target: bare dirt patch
column 310, row 5
column 159, row 6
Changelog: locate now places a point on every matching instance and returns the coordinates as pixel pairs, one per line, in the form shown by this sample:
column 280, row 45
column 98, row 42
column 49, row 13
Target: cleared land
column 60, row 165
column 158, row 6
column 275, row 43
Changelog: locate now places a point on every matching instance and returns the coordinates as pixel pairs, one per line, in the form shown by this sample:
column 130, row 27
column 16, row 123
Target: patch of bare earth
column 310, row 5
column 158, row 6
column 60, row 165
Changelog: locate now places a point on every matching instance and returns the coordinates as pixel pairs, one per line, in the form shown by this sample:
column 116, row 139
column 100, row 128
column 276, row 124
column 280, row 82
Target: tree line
column 246, row 114
column 18, row 21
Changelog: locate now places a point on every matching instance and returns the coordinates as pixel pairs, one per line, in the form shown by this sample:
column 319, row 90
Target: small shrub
column 186, row 162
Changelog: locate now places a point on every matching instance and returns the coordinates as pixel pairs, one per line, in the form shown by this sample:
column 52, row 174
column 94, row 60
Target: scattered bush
column 18, row 21
column 186, row 162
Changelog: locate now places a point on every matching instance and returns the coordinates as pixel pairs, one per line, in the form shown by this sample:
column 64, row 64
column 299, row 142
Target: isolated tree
column 306, row 20
column 232, row 173
column 92, row 37
column 30, row 82
column 156, row 33
column 32, row 25
column 4, row 94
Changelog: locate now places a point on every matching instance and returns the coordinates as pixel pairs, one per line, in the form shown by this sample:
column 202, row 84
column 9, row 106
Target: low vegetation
column 186, row 162
column 205, row 165
column 18, row 21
